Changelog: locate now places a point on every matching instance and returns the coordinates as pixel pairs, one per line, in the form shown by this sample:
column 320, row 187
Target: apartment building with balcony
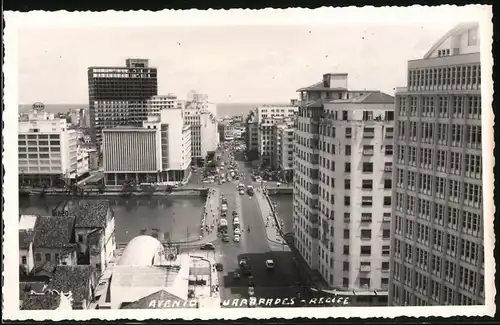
column 252, row 134
column 437, row 255
column 48, row 150
column 283, row 136
column 342, row 185
column 118, row 96
column 267, row 116
column 204, row 129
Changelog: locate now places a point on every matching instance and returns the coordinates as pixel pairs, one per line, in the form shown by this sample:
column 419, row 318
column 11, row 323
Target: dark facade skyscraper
column 437, row 253
column 119, row 95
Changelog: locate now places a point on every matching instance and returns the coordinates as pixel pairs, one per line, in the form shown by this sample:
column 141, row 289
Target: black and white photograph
column 249, row 163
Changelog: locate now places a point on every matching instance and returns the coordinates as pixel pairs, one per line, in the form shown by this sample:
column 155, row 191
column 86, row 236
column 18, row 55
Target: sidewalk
column 210, row 215
column 272, row 231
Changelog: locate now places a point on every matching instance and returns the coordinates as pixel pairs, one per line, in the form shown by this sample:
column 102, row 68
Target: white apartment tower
column 48, row 150
column 199, row 115
column 342, row 193
column 267, row 116
column 437, row 255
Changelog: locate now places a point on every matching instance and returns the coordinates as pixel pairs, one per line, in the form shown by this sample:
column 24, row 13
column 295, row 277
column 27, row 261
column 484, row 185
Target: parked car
column 207, row 247
column 225, row 238
column 236, row 238
column 242, row 192
column 237, row 231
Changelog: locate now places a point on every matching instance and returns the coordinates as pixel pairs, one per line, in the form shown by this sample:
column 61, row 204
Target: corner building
column 342, row 192
column 437, row 255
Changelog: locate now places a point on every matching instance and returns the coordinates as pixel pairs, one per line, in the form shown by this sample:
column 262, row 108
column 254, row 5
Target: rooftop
column 89, row 213
column 72, row 278
column 25, row 238
column 319, row 86
column 49, row 301
column 140, row 251
column 54, row 232
column 372, row 97
column 457, row 30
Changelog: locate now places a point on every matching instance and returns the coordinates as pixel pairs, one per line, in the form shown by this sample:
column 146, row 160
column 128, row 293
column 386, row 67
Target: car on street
column 207, row 247
column 270, row 264
column 242, row 192
column 237, row 231
column 236, row 238
column 219, row 267
column 224, row 200
column 235, row 214
column 225, row 238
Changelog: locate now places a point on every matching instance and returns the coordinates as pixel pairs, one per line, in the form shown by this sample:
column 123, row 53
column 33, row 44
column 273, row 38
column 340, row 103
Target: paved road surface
column 278, row 283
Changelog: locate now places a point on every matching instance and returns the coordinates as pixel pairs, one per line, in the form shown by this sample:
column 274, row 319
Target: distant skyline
column 241, row 64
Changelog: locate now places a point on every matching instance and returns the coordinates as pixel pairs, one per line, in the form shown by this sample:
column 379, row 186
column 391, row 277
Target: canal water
column 178, row 217
column 285, row 210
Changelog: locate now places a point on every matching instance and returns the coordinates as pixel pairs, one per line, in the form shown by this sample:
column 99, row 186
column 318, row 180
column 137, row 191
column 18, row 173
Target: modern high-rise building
column 118, row 96
column 48, row 151
column 437, row 253
column 342, row 191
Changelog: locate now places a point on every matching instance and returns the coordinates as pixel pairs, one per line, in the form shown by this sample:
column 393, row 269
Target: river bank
column 174, row 218
column 116, row 193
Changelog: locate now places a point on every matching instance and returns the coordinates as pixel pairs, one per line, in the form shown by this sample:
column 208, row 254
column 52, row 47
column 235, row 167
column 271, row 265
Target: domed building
column 144, row 270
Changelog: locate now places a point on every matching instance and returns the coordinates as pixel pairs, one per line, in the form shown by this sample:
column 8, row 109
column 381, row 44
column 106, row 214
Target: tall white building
column 159, row 151
column 342, row 193
column 267, row 116
column 437, row 255
column 48, row 150
column 282, row 158
column 157, row 104
column 204, row 131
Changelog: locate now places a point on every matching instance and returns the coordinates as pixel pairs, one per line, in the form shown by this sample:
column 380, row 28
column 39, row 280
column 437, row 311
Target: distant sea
column 223, row 109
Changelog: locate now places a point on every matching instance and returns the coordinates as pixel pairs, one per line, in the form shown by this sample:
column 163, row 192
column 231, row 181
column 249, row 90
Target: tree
column 128, row 187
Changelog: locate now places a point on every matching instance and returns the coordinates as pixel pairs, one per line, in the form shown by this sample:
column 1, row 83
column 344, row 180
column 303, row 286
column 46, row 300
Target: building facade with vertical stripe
column 437, row 253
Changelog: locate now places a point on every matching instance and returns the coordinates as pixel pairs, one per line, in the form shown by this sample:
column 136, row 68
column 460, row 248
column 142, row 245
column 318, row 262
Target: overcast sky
column 230, row 64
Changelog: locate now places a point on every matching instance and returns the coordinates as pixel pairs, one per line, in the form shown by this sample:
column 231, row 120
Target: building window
column 387, row 184
column 366, row 250
column 385, row 266
column 47, row 257
column 386, row 233
column 387, row 200
column 345, row 282
column 366, row 201
column 366, row 234
column 389, row 150
column 347, row 184
column 367, row 167
column 348, row 133
column 367, row 184
column 346, row 234
column 347, row 201
column 364, row 283
column 347, row 217
column 346, row 266
column 38, row 257
column 386, row 250
column 368, row 133
column 347, row 150
column 347, row 167
column 366, row 217
column 24, row 260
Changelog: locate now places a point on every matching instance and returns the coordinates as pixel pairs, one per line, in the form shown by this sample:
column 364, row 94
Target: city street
column 254, row 245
